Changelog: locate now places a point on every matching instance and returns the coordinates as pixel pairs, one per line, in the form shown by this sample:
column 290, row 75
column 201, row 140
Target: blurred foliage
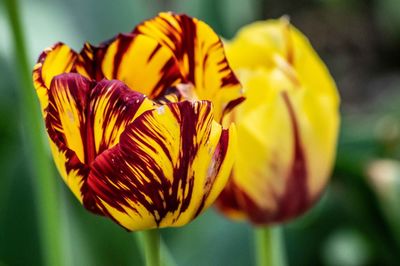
column 359, row 40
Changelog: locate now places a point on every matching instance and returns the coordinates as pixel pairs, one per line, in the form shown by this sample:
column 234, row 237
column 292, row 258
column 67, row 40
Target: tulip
column 134, row 124
column 287, row 128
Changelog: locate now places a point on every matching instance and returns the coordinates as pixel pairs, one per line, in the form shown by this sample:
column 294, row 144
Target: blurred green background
column 357, row 222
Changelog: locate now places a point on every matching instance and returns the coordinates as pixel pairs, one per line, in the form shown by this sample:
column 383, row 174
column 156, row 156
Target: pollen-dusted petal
column 201, row 57
column 170, row 164
column 85, row 118
column 53, row 61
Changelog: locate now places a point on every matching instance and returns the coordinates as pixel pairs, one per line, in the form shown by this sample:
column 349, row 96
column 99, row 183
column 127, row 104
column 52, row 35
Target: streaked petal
column 85, row 118
column 112, row 107
column 138, row 61
column 72, row 170
column 53, row 61
column 89, row 60
column 89, row 117
column 171, row 164
column 66, row 117
column 200, row 55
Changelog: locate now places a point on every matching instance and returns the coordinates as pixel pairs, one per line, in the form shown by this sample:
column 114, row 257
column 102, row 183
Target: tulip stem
column 166, row 257
column 151, row 244
column 36, row 151
column 269, row 246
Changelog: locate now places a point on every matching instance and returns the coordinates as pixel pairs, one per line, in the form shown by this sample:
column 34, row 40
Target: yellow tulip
column 143, row 161
column 287, row 127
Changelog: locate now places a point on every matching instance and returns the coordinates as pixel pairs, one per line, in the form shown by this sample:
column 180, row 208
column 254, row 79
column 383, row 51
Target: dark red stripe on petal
column 158, row 47
column 89, row 61
column 171, row 76
column 215, row 167
column 294, row 201
column 124, row 41
column 188, row 45
column 232, row 104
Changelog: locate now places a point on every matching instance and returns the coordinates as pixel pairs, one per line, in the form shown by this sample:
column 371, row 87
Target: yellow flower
column 143, row 161
column 287, row 127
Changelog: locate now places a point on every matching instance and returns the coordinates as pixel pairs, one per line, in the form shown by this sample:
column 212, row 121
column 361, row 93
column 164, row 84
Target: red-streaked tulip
column 287, row 127
column 143, row 161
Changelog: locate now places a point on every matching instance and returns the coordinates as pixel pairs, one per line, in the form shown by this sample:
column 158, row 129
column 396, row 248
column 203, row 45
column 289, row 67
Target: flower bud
column 287, row 128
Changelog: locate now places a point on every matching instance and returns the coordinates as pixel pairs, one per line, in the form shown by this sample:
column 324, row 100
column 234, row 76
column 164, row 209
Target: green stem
column 36, row 150
column 151, row 244
column 269, row 248
column 166, row 257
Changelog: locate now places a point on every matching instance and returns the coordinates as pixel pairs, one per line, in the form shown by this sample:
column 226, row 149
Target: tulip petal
column 89, row 59
column 85, row 118
column 200, row 55
column 72, row 170
column 139, row 61
column 171, row 164
column 112, row 107
column 274, row 190
column 53, row 61
column 285, row 175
